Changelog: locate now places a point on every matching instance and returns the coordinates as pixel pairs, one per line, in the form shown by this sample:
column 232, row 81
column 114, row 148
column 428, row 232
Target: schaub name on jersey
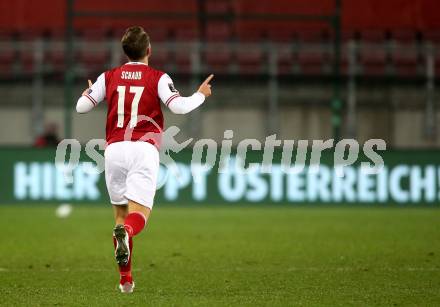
column 131, row 75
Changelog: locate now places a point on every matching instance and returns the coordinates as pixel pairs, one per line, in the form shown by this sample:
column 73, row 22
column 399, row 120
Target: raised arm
column 92, row 96
column 178, row 104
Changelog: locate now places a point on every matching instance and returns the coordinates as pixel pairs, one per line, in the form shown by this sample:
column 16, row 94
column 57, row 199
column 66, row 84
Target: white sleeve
column 84, row 105
column 172, row 99
column 94, row 96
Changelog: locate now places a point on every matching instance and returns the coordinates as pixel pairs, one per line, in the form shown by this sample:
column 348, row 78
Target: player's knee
column 136, row 207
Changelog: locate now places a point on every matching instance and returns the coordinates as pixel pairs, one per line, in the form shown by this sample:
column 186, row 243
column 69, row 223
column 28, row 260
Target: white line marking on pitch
column 410, row 269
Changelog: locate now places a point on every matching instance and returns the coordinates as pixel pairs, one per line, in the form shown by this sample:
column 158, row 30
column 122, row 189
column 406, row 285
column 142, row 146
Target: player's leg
column 130, row 220
column 142, row 162
column 116, row 177
column 141, row 185
column 123, row 244
column 137, row 218
column 121, row 239
column 120, row 213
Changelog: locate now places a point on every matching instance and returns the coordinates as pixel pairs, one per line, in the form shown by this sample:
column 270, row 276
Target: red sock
column 125, row 271
column 134, row 223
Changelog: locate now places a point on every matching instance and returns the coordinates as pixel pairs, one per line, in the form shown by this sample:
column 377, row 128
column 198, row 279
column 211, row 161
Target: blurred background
column 301, row 69
column 314, row 69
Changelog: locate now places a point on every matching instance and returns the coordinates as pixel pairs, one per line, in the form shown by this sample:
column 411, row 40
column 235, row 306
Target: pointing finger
column 208, row 79
column 90, row 83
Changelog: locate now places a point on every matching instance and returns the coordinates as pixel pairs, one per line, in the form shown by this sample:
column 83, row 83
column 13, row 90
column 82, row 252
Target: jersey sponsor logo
column 131, row 75
column 172, row 88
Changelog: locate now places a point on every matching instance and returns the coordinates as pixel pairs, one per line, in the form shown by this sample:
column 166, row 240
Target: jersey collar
column 135, row 63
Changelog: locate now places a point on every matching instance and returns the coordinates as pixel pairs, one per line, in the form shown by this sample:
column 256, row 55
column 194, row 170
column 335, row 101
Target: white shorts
column 131, row 172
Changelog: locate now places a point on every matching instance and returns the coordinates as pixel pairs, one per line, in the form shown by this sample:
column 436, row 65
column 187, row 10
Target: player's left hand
column 205, row 87
column 87, row 90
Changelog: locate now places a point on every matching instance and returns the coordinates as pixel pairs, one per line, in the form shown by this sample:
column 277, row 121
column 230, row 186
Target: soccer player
column 134, row 93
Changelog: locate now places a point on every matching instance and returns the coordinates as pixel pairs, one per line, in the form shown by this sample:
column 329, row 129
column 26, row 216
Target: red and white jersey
column 134, row 92
column 133, row 103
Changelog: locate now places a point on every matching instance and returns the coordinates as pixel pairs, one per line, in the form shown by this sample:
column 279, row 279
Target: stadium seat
column 432, row 35
column 27, row 65
column 286, row 61
column 404, row 36
column 160, row 58
column 28, row 40
column 311, row 61
column 250, row 36
column 218, row 6
column 183, row 61
column 349, row 35
column 373, row 36
column 8, row 52
column 249, row 31
column 405, row 50
column 218, row 61
column 250, row 61
column 373, row 60
column 98, row 35
column 7, row 62
column 55, row 58
column 437, row 65
column 31, row 35
column 405, row 61
column 7, row 70
column 280, row 35
column 312, row 36
column 393, row 40
column 56, row 35
column 93, row 62
column 186, row 34
column 218, row 32
column 158, row 34
column 90, row 56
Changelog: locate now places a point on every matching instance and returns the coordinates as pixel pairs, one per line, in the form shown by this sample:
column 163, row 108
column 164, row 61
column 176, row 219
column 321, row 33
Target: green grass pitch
column 223, row 256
